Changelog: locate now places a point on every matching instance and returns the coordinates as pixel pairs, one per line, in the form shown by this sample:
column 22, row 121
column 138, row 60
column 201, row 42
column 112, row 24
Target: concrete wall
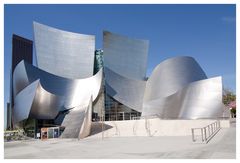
column 153, row 127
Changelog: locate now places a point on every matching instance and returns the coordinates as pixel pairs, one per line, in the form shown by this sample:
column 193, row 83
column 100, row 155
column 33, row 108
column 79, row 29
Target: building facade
column 73, row 84
column 22, row 49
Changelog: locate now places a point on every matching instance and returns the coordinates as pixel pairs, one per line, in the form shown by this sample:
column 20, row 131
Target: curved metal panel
column 86, row 125
column 20, row 78
column 50, row 94
column 203, row 99
column 45, row 105
column 23, row 102
column 125, row 56
column 171, row 75
column 200, row 99
column 64, row 53
column 75, row 92
column 127, row 91
column 78, row 122
column 73, row 122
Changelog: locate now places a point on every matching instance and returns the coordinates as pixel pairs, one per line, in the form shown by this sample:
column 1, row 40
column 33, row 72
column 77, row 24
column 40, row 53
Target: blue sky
column 205, row 32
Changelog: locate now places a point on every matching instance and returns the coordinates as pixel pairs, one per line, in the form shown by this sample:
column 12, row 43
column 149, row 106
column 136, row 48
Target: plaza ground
column 222, row 146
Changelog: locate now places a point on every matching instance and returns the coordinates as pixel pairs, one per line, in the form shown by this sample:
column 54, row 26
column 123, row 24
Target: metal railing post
column 205, row 133
column 193, row 135
column 208, row 131
column 212, row 128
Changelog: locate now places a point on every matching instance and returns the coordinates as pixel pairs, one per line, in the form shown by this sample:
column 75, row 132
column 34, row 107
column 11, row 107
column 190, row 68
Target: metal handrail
column 207, row 132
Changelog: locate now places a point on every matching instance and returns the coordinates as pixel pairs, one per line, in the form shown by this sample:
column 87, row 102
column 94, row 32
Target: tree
column 229, row 100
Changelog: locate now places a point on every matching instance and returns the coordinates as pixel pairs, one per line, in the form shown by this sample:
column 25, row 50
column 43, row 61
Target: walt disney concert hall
column 72, row 84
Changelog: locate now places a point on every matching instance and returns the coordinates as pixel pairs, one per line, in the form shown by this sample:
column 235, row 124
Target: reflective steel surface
column 125, row 63
column 200, row 99
column 127, row 91
column 45, row 105
column 178, row 88
column 63, row 53
column 23, row 102
column 63, row 82
column 75, row 91
column 171, row 75
column 73, row 122
column 125, row 56
column 54, row 93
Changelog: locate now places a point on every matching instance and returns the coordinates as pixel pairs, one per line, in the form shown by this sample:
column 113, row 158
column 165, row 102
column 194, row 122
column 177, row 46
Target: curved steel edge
column 45, row 105
column 35, row 102
column 171, row 75
column 125, row 56
column 76, row 92
column 86, row 125
column 23, row 102
column 64, row 53
column 200, row 99
column 127, row 91
column 47, row 94
column 72, row 122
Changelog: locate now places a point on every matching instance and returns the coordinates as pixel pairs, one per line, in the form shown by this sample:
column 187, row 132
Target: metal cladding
column 125, row 63
column 125, row 56
column 77, row 122
column 64, row 53
column 73, row 122
column 38, row 104
column 53, row 93
column 129, row 92
column 200, row 99
column 171, row 75
column 178, row 88
column 22, row 109
column 63, row 88
column 74, row 91
column 86, row 125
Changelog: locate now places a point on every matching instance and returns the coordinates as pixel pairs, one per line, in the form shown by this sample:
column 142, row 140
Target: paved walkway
column 223, row 145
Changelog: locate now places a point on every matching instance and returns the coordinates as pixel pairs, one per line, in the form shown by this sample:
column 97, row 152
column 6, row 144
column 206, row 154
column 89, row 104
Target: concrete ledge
column 153, row 127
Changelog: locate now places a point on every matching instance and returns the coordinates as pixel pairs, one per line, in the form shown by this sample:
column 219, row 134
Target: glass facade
column 22, row 49
column 116, row 111
column 98, row 60
column 113, row 109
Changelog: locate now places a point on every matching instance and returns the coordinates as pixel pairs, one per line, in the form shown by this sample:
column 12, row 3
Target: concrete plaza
column 222, row 146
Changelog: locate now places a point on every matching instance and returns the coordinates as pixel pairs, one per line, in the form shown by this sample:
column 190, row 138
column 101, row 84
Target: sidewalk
column 223, row 145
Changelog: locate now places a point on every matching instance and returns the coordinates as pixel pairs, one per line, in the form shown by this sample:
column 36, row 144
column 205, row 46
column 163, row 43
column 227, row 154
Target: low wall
column 151, row 127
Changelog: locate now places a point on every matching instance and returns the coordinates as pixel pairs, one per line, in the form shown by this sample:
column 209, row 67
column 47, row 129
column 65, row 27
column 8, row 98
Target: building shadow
column 98, row 127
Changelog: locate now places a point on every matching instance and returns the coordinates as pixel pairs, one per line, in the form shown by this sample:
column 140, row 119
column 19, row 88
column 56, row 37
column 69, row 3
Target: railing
column 146, row 117
column 119, row 116
column 207, row 132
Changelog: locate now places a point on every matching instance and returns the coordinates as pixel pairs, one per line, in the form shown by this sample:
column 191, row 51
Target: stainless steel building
column 66, row 86
column 64, row 53
column 178, row 88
